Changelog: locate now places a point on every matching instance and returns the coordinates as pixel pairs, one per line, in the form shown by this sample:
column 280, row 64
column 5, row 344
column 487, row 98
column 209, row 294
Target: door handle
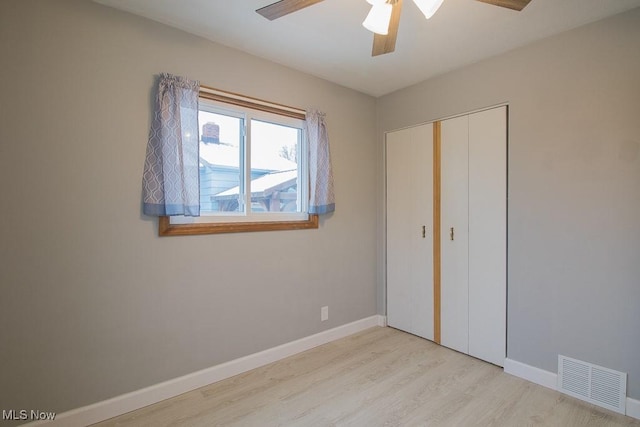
column 424, row 231
column 451, row 233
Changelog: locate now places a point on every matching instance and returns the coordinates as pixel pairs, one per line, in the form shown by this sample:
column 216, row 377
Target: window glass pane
column 220, row 161
column 274, row 167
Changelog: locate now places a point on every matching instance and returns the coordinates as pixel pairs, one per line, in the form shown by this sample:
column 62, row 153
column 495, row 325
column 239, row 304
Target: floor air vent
column 594, row 384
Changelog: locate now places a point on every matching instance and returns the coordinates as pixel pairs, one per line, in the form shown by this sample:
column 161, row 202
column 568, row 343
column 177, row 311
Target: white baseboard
column 382, row 321
column 531, row 373
column 135, row 400
column 550, row 380
column 633, row 408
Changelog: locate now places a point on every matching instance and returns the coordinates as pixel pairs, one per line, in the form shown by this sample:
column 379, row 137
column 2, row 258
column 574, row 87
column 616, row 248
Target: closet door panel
column 454, row 299
column 409, row 160
column 487, row 235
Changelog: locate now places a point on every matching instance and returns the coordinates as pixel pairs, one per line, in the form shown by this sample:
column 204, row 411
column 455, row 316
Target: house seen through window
column 249, row 164
column 253, row 168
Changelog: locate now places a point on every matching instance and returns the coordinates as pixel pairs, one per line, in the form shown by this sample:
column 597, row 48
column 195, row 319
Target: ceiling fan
column 383, row 19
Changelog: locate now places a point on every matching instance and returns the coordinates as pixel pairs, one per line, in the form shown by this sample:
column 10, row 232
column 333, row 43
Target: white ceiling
column 327, row 40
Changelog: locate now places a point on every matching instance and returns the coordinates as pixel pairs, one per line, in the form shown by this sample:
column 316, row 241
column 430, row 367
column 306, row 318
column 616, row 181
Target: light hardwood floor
column 379, row 377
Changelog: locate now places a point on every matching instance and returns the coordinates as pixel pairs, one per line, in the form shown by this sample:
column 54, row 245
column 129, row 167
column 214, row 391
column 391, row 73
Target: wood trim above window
column 165, row 228
column 214, row 94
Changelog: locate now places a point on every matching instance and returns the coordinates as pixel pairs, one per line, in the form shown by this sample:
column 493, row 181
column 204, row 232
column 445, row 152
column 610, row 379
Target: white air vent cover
column 594, row 384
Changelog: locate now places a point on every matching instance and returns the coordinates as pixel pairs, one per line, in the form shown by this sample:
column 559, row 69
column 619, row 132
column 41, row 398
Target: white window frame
column 247, row 108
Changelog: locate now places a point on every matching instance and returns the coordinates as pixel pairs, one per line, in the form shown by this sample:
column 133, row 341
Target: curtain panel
column 321, row 197
column 171, row 178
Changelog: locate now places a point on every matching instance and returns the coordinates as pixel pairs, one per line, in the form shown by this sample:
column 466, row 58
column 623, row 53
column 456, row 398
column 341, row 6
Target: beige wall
column 93, row 303
column 574, row 187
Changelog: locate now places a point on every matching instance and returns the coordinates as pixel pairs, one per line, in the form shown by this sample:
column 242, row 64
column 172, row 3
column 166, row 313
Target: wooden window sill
column 165, row 228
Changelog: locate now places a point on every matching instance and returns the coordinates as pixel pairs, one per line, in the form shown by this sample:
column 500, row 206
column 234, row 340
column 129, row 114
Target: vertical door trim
column 436, row 231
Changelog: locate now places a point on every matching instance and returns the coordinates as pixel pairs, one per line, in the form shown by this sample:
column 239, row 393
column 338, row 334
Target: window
column 254, row 174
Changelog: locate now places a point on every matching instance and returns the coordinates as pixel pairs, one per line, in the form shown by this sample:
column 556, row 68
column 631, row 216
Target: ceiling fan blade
column 284, row 7
column 510, row 4
column 387, row 44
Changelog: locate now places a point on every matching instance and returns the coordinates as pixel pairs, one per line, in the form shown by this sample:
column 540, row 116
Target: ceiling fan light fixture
column 428, row 7
column 379, row 18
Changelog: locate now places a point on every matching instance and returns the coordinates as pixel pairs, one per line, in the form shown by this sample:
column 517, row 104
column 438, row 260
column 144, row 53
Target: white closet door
column 409, row 159
column 488, row 234
column 454, row 296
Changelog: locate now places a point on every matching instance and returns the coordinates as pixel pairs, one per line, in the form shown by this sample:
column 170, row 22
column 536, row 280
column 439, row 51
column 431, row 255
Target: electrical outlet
column 324, row 313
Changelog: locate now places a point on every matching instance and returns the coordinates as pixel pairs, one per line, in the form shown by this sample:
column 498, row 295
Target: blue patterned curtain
column 171, row 180
column 321, row 197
